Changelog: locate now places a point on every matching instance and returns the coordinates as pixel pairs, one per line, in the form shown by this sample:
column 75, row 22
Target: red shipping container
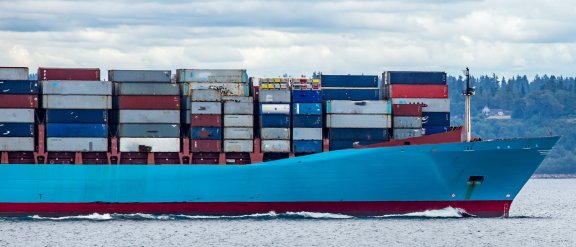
column 205, row 145
column 157, row 102
column 200, row 120
column 418, row 91
column 410, row 110
column 18, row 101
column 76, row 74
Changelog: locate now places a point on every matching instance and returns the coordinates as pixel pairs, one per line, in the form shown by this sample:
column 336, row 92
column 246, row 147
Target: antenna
column 468, row 120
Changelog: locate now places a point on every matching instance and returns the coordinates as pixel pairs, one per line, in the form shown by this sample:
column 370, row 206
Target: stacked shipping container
column 357, row 122
column 206, row 120
column 18, row 101
column 274, row 104
column 76, row 107
column 407, row 121
column 426, row 88
column 350, row 87
column 208, row 89
column 354, row 112
column 306, row 116
column 148, row 111
column 238, row 124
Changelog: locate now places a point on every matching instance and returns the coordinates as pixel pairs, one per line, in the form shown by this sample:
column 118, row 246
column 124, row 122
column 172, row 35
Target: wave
column 94, row 216
column 143, row 216
column 448, row 212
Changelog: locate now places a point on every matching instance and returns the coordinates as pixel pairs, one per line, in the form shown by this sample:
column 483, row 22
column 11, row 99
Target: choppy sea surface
column 543, row 214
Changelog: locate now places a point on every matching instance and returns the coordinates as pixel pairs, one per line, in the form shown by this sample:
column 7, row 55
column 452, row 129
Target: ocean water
column 544, row 214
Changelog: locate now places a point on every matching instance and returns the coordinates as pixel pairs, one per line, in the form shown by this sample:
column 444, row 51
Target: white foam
column 315, row 215
column 258, row 215
column 144, row 216
column 448, row 212
column 94, row 216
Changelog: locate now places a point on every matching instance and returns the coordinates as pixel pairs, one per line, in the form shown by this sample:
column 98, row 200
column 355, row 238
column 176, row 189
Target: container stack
column 274, row 99
column 426, row 88
column 306, row 116
column 407, row 121
column 18, row 101
column 76, row 105
column 238, row 124
column 350, row 87
column 353, row 123
column 148, row 106
column 206, row 121
column 208, row 125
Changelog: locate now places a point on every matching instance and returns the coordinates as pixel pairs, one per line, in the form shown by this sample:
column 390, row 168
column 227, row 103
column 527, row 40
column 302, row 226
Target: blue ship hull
column 480, row 177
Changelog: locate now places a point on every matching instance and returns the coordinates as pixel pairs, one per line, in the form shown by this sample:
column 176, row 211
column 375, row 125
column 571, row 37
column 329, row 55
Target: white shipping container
column 307, row 133
column 231, row 107
column 275, row 108
column 358, row 121
column 238, row 146
column 359, row 107
column 16, row 143
column 74, row 144
column 227, row 89
column 275, row 133
column 244, row 99
column 14, row 115
column 156, row 144
column 149, row 116
column 238, row 121
column 274, row 95
column 432, row 105
column 77, row 87
column 275, row 146
column 212, row 75
column 235, row 133
column 13, row 73
column 206, row 107
column 77, row 102
column 402, row 122
column 205, row 95
column 399, row 134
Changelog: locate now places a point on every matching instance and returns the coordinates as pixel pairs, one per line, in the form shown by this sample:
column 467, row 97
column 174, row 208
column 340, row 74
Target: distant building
column 496, row 113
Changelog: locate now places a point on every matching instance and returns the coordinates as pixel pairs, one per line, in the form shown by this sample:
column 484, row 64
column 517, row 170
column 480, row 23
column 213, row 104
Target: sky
column 270, row 38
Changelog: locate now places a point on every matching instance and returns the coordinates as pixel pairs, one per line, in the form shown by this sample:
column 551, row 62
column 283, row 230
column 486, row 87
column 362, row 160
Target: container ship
column 217, row 142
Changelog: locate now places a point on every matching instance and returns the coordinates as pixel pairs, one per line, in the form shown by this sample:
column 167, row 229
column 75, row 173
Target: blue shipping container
column 349, row 81
column 76, row 130
column 337, row 145
column 16, row 129
column 306, row 96
column 435, row 118
column 416, row 77
column 429, row 130
column 307, row 146
column 307, row 108
column 351, row 94
column 18, row 87
column 205, row 133
column 76, row 116
column 355, row 134
column 274, row 121
column 307, row 121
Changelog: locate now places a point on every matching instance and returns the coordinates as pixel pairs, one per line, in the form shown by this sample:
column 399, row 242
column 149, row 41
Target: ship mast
column 468, row 93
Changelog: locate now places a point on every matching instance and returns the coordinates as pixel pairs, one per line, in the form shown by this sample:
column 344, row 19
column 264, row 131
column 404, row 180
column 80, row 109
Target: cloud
column 297, row 37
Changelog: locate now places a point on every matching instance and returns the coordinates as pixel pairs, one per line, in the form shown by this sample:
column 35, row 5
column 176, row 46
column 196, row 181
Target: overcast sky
column 269, row 38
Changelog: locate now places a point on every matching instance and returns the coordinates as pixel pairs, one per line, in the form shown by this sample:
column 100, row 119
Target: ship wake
column 448, row 212
column 143, row 216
